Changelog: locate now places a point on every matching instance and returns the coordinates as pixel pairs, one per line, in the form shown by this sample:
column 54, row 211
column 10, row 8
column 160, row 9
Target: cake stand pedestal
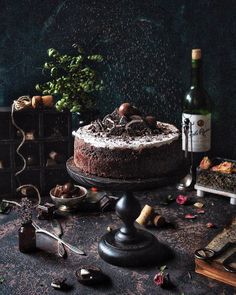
column 127, row 246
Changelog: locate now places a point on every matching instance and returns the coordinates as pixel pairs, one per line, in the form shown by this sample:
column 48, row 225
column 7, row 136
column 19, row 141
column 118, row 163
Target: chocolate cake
column 126, row 145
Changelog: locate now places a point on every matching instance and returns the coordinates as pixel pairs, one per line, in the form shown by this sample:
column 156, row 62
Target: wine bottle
column 196, row 113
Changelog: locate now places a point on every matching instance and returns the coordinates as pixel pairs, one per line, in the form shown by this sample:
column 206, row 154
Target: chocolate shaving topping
column 117, row 130
column 115, row 125
column 123, row 121
column 136, row 117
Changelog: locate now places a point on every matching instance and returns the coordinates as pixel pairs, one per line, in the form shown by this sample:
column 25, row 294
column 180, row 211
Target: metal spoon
column 188, row 179
column 67, row 245
column 57, row 228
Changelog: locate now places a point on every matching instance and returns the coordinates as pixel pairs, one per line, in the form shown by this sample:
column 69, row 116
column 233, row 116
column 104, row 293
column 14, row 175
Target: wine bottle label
column 198, row 134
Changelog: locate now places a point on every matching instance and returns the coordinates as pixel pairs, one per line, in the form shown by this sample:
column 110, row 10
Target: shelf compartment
column 55, row 125
column 4, row 126
column 5, row 152
column 28, row 121
column 43, row 122
column 30, row 150
column 30, row 177
column 5, row 183
column 59, row 147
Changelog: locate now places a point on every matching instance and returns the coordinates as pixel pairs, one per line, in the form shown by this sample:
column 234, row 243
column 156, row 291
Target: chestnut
column 68, row 187
column 151, row 121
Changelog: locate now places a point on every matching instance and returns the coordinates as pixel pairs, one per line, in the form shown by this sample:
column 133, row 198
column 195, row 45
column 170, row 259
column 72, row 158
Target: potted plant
column 73, row 80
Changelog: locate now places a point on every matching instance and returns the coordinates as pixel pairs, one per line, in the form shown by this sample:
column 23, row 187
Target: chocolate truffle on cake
column 127, row 145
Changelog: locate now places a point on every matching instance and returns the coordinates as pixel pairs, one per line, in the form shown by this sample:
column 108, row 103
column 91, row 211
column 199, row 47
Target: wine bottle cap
column 196, row 54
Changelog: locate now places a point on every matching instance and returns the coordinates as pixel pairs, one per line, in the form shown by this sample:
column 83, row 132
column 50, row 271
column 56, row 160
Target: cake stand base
column 127, row 246
column 146, row 250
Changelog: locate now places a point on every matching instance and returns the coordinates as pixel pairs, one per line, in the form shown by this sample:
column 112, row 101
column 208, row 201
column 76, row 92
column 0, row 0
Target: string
column 20, row 104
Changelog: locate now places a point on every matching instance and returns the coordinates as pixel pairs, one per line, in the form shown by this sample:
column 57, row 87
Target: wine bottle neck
column 196, row 74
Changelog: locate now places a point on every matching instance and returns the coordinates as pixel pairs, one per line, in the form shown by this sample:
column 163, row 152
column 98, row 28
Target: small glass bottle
column 27, row 237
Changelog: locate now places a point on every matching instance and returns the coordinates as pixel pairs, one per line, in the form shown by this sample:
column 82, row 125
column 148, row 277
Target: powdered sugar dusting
column 101, row 140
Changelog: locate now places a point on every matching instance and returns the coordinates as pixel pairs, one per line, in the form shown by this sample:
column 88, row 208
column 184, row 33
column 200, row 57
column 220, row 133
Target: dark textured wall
column 146, row 45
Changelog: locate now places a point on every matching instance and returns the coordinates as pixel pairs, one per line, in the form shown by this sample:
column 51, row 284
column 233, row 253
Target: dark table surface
column 32, row 274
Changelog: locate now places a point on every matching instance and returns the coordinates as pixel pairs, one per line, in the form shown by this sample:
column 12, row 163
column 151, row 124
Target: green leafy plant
column 72, row 79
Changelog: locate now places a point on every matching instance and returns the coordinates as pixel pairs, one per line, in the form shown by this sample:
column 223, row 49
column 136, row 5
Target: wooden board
column 214, row 269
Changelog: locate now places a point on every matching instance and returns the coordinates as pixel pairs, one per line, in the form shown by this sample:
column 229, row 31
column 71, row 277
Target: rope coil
column 21, row 103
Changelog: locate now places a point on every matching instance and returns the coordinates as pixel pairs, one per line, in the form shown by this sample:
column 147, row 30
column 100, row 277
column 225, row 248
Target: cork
column 145, row 215
column 159, row 221
column 196, row 54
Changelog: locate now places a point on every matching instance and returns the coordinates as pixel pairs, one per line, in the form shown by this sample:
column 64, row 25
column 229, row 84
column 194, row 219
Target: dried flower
column 181, row 199
column 198, row 205
column 162, row 268
column 190, row 216
column 200, row 211
column 26, row 210
column 205, row 163
column 210, row 225
column 159, row 279
column 163, row 280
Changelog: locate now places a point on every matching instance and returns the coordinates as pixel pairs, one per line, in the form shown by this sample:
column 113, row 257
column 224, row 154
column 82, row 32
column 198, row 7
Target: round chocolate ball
column 127, row 110
column 68, row 187
column 151, row 121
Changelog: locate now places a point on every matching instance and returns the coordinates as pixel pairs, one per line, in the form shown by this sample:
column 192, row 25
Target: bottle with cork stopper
column 196, row 116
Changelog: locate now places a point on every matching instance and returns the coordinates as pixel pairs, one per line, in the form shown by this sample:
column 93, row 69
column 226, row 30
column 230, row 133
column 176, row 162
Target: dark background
column 146, row 45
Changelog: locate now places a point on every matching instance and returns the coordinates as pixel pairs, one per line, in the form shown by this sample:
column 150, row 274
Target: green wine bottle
column 196, row 113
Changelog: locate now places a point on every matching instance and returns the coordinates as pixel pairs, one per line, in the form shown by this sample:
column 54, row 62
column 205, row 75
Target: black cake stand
column 127, row 246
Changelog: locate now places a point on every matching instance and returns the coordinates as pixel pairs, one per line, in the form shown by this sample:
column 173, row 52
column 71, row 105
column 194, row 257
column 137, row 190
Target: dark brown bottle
column 197, row 110
column 27, row 237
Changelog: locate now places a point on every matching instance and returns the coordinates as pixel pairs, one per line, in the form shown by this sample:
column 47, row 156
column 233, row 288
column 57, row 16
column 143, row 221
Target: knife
column 57, row 229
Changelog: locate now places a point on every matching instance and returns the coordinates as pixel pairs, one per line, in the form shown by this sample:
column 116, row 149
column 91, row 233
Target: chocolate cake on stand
column 127, row 152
